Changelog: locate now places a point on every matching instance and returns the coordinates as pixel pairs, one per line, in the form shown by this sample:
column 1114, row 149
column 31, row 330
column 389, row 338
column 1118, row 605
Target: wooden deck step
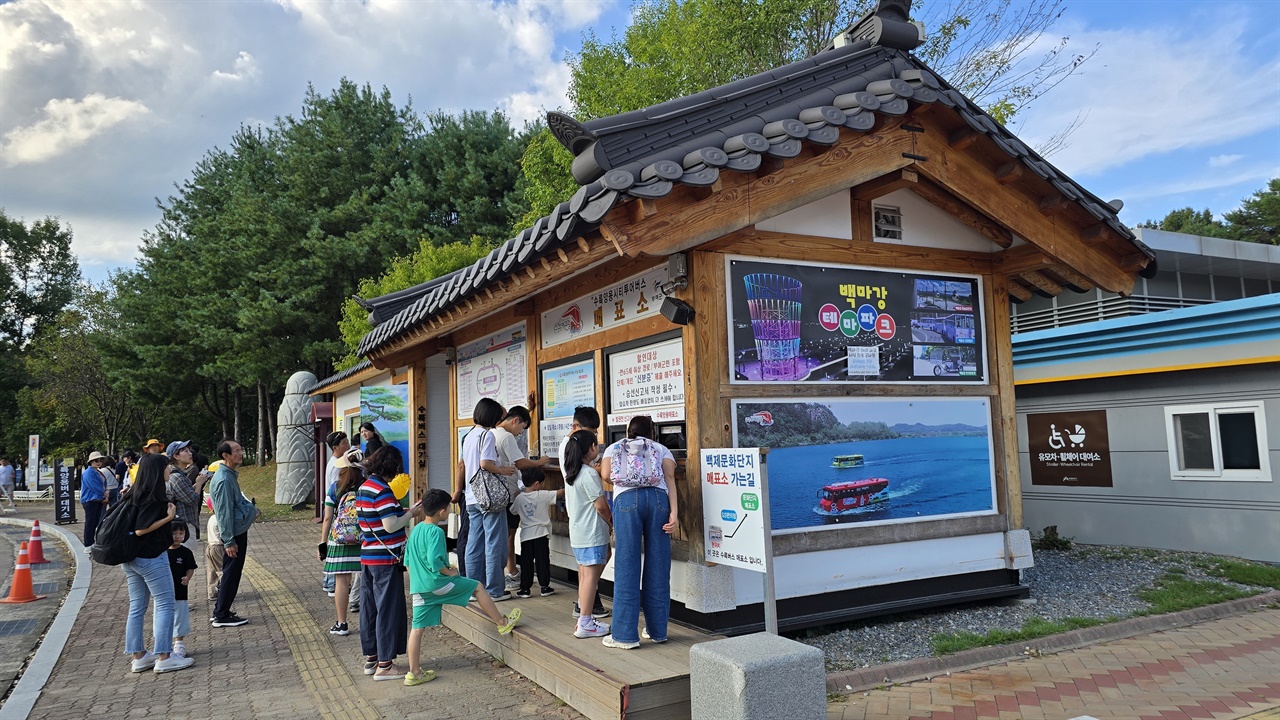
column 650, row 682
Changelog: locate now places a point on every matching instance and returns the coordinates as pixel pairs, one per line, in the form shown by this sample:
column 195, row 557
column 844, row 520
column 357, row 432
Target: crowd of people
column 367, row 543
column 165, row 489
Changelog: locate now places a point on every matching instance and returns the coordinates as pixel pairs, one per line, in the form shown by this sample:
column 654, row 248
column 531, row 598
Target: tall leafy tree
column 39, row 276
column 1258, row 217
column 992, row 50
column 1192, row 222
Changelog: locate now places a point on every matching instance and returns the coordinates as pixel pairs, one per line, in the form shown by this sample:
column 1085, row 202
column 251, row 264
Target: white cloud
column 1201, row 182
column 245, row 67
column 67, row 125
column 1158, row 90
column 1220, row 161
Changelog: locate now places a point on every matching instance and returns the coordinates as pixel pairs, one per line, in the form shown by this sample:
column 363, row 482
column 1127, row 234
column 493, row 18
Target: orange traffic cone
column 37, row 545
column 21, row 591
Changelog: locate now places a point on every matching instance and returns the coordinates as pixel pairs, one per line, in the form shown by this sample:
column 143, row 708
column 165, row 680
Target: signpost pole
column 770, row 600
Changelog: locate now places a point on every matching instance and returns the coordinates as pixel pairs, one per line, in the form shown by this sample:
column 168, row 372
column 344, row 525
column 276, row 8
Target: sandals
column 423, row 677
column 513, row 617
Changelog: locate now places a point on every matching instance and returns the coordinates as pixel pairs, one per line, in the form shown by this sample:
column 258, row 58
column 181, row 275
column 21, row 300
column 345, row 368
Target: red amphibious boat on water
column 846, row 498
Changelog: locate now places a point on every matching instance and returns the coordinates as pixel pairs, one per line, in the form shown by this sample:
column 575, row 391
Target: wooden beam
column 971, row 180
column 863, row 220
column 1072, row 278
column 963, row 138
column 961, row 211
column 1004, row 416
column 1009, row 172
column 616, row 235
column 1040, row 282
column 705, row 191
column 1018, row 291
column 748, row 199
column 642, row 208
column 791, row 246
column 885, row 184
column 1053, row 204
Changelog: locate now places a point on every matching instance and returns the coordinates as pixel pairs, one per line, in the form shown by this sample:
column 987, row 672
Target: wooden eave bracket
column 886, row 184
column 1017, row 291
column 1041, row 282
column 943, row 200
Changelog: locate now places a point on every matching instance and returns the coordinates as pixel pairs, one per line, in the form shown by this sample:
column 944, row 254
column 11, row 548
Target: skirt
column 342, row 559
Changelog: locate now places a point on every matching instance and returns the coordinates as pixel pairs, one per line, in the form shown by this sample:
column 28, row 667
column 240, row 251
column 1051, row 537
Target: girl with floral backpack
column 645, row 505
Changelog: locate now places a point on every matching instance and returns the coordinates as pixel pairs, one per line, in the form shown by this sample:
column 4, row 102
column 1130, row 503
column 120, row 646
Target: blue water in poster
column 928, row 476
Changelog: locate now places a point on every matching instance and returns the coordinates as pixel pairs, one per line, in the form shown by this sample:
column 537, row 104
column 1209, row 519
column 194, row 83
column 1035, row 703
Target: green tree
column 1258, row 217
column 988, row 49
column 1186, row 220
column 426, row 263
column 38, row 277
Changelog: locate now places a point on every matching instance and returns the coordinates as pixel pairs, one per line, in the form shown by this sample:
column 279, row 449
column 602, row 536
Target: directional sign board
column 734, row 507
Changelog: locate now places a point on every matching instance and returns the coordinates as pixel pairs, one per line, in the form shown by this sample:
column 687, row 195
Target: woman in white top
column 486, row 552
column 644, row 514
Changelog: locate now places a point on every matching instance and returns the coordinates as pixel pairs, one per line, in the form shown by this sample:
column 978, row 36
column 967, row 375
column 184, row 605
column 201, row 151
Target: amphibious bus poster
column 798, row 322
column 871, row 461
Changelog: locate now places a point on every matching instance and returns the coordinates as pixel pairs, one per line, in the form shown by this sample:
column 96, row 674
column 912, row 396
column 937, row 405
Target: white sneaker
column 609, row 642
column 179, row 648
column 594, row 629
column 144, row 663
column 173, row 663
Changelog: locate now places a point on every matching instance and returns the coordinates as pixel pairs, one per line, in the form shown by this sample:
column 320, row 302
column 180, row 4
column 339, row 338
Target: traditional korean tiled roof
column 341, row 375
column 691, row 140
column 385, row 307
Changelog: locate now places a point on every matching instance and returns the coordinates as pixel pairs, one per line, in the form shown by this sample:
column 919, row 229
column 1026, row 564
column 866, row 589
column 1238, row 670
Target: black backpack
column 115, row 543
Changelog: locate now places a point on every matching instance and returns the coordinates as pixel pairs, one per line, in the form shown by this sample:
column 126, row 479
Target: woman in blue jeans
column 148, row 574
column 644, row 516
column 486, row 552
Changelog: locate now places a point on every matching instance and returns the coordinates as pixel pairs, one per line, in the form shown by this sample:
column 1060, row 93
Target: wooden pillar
column 706, row 354
column 1004, row 429
column 417, row 459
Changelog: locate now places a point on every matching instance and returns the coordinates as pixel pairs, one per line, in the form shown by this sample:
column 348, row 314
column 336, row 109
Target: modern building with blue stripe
column 1185, row 403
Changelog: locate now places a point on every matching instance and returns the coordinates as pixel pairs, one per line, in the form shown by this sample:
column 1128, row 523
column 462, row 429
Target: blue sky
column 104, row 105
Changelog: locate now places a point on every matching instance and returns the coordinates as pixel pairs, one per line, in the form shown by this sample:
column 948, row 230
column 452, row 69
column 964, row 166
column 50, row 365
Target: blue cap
column 175, row 446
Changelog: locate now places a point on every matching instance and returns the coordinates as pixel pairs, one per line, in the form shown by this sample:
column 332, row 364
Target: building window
column 1217, row 442
column 888, row 222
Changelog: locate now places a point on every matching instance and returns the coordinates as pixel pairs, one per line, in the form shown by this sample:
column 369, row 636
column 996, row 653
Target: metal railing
column 1107, row 309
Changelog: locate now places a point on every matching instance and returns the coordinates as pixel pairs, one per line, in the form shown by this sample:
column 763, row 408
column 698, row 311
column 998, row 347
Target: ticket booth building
column 819, row 260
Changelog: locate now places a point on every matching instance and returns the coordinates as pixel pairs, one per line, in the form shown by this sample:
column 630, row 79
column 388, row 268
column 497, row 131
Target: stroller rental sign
column 1069, row 448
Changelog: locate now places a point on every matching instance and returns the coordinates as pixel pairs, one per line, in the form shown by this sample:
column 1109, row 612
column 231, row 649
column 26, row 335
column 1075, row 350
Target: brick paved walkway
column 283, row 664
column 1228, row 668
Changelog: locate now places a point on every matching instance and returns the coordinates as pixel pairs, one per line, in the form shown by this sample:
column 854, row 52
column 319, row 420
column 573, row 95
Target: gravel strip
column 1086, row 581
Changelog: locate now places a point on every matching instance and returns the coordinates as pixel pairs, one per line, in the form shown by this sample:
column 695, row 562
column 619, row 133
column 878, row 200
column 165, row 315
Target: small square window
column 1217, row 442
column 888, row 222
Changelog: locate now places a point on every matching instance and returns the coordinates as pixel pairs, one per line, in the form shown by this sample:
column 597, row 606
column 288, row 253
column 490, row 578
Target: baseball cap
column 175, row 446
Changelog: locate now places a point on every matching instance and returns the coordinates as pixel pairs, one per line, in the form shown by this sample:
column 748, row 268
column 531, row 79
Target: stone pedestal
column 757, row 677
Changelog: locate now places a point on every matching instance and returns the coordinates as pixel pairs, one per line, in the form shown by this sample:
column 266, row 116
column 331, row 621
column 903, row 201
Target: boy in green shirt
column 433, row 583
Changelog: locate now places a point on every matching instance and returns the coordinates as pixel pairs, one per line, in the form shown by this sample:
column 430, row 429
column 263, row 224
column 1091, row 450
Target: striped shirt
column 375, row 501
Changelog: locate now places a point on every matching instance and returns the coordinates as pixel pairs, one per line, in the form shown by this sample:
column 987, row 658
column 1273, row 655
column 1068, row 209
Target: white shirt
column 534, row 509
column 476, row 448
column 331, row 473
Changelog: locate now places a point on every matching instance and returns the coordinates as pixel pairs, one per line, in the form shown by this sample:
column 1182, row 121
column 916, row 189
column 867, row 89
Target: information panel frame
column 796, row 322
column 556, row 415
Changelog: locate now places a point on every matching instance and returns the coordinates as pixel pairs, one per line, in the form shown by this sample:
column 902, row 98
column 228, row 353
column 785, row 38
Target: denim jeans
column 149, row 578
column 638, row 517
column 487, row 549
column 384, row 625
column 93, row 512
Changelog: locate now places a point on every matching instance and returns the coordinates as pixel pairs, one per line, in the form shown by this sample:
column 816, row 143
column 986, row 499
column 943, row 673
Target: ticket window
column 670, row 434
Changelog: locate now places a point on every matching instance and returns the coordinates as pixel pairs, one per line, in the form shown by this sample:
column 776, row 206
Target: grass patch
column 1174, row 592
column 1247, row 573
column 835, row 697
column 1050, row 540
column 948, row 643
column 260, row 483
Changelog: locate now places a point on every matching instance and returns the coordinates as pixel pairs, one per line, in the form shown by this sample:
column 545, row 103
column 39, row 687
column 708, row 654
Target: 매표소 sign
column 733, row 511
column 625, row 301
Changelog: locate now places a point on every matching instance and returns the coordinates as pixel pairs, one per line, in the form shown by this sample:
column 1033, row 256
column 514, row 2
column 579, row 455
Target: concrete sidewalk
column 285, row 664
column 1226, row 668
column 282, row 664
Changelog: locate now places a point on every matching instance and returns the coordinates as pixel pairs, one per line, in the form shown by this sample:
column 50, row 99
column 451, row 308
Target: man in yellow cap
column 153, row 446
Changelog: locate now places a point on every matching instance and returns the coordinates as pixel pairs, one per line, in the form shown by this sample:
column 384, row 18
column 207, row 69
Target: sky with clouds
column 105, row 104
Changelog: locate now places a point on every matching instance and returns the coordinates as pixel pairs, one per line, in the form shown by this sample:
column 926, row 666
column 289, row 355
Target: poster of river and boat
column 835, row 461
column 805, row 322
